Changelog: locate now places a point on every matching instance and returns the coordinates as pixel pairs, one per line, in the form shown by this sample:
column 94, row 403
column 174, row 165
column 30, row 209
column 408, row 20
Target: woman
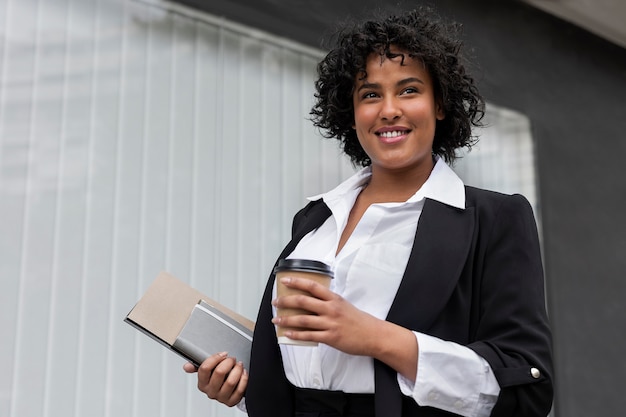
column 437, row 305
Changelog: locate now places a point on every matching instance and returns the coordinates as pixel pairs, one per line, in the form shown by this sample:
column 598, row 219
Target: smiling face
column 395, row 113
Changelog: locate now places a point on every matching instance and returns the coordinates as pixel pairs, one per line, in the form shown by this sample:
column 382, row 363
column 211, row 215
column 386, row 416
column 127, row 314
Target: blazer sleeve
column 512, row 333
column 275, row 399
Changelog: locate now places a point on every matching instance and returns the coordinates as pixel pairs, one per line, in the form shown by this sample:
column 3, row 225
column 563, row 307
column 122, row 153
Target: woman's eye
column 369, row 95
column 409, row 90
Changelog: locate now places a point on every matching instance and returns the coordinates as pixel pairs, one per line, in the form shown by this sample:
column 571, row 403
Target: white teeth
column 391, row 134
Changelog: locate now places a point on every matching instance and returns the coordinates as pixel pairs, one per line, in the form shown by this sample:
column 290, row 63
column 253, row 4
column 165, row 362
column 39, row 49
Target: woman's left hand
column 336, row 322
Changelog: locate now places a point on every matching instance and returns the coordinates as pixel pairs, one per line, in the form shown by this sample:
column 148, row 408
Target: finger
column 206, row 369
column 218, row 377
column 190, row 368
column 231, row 391
column 299, row 301
column 308, row 302
column 243, row 383
column 304, row 335
column 313, row 287
column 301, row 321
column 211, row 362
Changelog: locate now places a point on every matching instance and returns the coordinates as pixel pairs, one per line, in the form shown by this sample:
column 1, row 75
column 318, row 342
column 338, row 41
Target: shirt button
column 433, row 396
column 535, row 373
column 316, row 382
column 458, row 404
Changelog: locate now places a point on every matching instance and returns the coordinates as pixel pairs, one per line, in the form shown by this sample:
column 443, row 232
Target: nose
column 390, row 109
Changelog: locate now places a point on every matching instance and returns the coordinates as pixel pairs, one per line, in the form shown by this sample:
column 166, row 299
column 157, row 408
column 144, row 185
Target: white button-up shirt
column 368, row 271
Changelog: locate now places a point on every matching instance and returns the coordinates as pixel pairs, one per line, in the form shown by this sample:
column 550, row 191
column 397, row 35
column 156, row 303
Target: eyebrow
column 400, row 83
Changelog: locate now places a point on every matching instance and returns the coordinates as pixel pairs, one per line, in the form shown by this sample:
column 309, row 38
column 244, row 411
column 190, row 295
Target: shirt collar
column 442, row 185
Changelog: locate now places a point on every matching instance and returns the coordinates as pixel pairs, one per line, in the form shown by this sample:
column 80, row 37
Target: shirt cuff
column 451, row 377
column 241, row 405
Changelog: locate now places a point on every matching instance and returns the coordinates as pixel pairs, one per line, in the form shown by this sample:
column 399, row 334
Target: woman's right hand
column 221, row 378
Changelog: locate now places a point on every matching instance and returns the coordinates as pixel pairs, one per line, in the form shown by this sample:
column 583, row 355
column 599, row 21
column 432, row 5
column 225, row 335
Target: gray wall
column 572, row 86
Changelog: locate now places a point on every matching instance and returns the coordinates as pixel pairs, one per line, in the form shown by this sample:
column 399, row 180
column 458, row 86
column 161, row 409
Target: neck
column 396, row 186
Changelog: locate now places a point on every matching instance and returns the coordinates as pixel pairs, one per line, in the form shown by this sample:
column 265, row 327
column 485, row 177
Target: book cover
column 189, row 322
column 209, row 331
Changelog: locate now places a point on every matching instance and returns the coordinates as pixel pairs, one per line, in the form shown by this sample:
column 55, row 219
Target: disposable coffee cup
column 298, row 268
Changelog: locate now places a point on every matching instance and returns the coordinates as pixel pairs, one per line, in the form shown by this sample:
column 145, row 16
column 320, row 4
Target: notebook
column 190, row 323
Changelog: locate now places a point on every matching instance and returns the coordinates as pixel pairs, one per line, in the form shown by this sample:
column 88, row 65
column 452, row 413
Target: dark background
column 572, row 86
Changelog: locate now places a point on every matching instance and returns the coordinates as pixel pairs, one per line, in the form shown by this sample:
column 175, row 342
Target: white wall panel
column 504, row 158
column 135, row 137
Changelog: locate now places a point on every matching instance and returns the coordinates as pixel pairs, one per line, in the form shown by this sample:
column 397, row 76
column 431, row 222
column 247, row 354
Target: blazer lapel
column 442, row 242
column 276, row 399
column 312, row 217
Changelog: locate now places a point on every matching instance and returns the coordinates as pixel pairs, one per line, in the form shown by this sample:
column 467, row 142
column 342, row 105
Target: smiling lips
column 392, row 135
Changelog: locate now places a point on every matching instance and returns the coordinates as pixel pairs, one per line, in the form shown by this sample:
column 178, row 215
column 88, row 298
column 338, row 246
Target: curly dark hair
column 421, row 34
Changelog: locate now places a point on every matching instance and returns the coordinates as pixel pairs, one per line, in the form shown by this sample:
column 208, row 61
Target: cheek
column 427, row 113
column 361, row 134
column 363, row 118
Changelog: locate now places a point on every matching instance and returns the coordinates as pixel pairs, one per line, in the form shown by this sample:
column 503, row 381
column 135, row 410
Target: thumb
column 190, row 368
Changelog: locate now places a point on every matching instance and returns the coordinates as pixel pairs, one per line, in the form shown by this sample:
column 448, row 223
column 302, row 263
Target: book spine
column 189, row 350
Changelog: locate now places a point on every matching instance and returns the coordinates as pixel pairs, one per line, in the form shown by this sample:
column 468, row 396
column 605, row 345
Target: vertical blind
column 138, row 137
column 135, row 137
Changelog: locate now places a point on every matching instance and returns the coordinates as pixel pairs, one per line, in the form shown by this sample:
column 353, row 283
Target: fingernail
column 223, row 354
column 285, row 280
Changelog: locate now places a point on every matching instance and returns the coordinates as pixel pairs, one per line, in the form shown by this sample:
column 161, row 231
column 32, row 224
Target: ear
column 440, row 114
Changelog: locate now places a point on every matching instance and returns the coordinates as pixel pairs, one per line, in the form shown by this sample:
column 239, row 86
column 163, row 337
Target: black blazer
column 474, row 277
